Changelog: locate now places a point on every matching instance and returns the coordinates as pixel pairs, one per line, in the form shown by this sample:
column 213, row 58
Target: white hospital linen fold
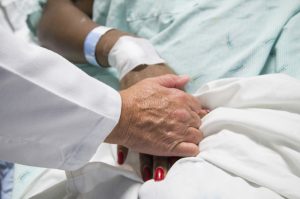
column 251, row 149
column 51, row 114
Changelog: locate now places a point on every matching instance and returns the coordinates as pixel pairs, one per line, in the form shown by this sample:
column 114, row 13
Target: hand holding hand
column 150, row 166
column 159, row 119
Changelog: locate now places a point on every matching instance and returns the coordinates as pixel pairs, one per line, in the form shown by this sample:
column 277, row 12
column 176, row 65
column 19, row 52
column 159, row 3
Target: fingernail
column 203, row 112
column 146, row 173
column 120, row 157
column 207, row 110
column 159, row 174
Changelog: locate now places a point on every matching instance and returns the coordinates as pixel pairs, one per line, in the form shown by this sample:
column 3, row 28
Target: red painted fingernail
column 159, row 174
column 146, row 173
column 120, row 157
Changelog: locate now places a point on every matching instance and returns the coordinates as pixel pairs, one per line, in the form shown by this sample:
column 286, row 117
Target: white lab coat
column 51, row 113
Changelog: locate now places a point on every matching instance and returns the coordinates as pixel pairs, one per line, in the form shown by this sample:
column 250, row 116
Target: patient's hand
column 150, row 166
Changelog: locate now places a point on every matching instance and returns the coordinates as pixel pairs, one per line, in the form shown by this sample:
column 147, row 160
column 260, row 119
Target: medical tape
column 90, row 44
column 130, row 52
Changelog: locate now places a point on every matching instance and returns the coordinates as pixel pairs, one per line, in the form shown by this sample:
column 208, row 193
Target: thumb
column 172, row 81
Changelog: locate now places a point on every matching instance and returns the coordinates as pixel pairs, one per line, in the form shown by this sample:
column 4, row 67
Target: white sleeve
column 51, row 113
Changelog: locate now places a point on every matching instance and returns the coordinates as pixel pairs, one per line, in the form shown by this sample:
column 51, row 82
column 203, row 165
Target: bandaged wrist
column 90, row 44
column 130, row 52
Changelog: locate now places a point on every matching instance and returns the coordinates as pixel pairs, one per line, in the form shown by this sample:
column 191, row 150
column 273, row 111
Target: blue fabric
column 6, row 177
column 209, row 39
column 213, row 39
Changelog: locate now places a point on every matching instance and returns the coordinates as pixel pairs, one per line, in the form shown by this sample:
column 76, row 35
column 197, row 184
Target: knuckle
column 198, row 138
column 179, row 95
column 181, row 115
column 169, row 76
column 195, row 135
column 197, row 121
column 182, row 96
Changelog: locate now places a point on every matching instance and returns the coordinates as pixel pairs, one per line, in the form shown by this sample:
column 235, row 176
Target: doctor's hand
column 159, row 119
column 150, row 166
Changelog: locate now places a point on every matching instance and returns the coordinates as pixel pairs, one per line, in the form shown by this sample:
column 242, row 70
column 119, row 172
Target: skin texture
column 62, row 19
column 157, row 120
column 149, row 165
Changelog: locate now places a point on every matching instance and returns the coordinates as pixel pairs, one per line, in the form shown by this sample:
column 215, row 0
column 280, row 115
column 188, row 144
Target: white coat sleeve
column 51, row 113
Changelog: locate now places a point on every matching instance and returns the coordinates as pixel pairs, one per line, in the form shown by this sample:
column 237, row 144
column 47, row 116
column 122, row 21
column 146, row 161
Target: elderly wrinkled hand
column 150, row 166
column 164, row 120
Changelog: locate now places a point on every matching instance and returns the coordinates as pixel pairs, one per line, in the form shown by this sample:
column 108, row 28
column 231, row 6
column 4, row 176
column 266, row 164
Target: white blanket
column 251, row 149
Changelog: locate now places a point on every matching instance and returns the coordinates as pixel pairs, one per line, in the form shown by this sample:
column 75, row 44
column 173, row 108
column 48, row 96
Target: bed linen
column 251, row 150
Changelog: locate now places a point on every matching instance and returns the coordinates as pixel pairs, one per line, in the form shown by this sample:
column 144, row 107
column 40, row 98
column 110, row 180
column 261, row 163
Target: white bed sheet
column 251, row 149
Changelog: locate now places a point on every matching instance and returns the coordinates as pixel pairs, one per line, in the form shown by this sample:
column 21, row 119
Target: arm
column 75, row 19
column 46, row 113
column 65, row 25
column 43, row 109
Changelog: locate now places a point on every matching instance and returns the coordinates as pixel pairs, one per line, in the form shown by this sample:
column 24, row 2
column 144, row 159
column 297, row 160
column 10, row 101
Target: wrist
column 105, row 45
column 119, row 134
column 144, row 71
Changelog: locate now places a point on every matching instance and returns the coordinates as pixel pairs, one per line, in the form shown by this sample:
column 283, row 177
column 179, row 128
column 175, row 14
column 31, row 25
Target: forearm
column 64, row 27
column 43, row 109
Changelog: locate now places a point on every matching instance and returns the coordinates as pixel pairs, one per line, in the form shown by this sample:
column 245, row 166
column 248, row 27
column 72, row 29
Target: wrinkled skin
column 159, row 119
column 148, row 163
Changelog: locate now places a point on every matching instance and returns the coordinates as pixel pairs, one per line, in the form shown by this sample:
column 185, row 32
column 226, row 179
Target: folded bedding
column 250, row 150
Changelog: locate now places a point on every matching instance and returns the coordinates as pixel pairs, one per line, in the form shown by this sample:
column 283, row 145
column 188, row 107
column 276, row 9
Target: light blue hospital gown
column 6, row 179
column 209, row 39
column 212, row 39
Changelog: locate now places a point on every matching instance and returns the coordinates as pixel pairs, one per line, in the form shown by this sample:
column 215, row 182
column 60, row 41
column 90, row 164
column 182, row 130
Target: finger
column 194, row 104
column 185, row 149
column 193, row 135
column 172, row 81
column 160, row 167
column 146, row 166
column 122, row 154
column 184, row 79
column 195, row 120
column 203, row 112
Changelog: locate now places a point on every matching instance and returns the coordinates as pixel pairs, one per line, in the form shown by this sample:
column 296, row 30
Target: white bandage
column 130, row 52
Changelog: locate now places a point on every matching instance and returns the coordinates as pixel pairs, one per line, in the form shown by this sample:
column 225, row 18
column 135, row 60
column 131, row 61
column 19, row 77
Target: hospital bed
column 251, row 147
